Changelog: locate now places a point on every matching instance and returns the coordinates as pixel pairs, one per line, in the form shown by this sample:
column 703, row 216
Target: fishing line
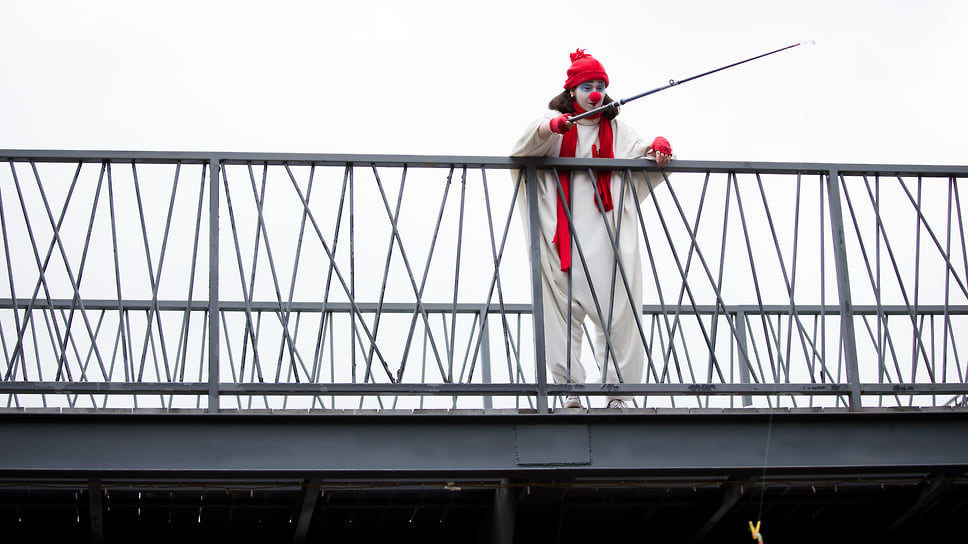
column 754, row 529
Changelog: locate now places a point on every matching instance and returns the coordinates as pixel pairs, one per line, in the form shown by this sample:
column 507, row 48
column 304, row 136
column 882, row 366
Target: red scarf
column 569, row 144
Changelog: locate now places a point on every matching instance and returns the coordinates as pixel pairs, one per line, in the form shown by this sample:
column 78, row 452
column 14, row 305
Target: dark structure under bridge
column 307, row 348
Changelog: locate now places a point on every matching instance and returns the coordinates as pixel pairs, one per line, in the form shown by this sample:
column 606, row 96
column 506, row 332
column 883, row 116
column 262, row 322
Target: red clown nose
column 594, row 97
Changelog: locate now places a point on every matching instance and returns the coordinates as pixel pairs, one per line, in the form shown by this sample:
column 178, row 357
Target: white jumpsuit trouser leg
column 626, row 352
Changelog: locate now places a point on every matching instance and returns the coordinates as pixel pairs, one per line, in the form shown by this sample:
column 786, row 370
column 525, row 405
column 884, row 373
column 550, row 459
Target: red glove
column 559, row 125
column 661, row 145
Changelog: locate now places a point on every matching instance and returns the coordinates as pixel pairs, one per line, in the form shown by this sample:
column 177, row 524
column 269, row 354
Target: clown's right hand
column 561, row 124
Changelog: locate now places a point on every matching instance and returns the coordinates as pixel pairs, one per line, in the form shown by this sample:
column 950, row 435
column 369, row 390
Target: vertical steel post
column 843, row 286
column 213, row 301
column 310, row 496
column 534, row 235
column 486, row 357
column 505, row 510
column 94, row 491
column 744, row 362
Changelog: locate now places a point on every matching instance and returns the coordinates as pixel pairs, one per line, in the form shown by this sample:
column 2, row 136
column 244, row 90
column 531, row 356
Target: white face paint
column 587, row 91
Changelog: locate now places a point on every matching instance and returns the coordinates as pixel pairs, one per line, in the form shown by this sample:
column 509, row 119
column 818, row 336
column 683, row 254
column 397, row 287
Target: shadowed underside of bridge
column 476, row 476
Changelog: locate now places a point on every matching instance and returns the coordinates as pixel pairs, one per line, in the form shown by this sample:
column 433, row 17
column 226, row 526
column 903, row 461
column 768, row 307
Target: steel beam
column 729, row 501
column 927, row 498
column 96, row 509
column 534, row 253
column 214, row 348
column 495, row 389
column 447, row 161
column 233, row 445
column 505, row 513
column 849, row 341
column 310, row 495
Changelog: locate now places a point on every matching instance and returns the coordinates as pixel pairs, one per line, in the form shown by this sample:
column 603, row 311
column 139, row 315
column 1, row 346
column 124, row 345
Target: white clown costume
column 591, row 247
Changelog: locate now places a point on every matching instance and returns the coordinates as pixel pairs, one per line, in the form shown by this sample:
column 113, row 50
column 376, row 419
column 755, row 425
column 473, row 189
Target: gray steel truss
column 337, row 339
column 235, row 281
column 449, row 458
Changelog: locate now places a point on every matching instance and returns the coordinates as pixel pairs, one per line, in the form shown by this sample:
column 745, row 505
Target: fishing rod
column 673, row 83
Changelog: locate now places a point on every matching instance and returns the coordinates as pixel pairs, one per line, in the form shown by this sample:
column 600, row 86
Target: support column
column 213, row 302
column 534, row 232
column 743, row 349
column 311, row 493
column 486, row 357
column 97, row 510
column 838, row 239
column 505, row 512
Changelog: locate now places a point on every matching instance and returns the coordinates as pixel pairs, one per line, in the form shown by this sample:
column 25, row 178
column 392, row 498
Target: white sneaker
column 572, row 401
column 616, row 403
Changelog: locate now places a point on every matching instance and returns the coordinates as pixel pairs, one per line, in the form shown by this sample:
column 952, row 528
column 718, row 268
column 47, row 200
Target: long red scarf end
column 564, row 255
column 569, row 146
column 603, row 182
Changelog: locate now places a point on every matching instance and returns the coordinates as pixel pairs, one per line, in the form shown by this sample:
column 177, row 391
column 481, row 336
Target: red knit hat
column 584, row 67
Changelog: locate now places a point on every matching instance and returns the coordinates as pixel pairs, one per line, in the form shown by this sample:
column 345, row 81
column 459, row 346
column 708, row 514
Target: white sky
column 885, row 82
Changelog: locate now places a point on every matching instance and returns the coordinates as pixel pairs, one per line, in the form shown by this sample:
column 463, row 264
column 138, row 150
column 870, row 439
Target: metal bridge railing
column 230, row 281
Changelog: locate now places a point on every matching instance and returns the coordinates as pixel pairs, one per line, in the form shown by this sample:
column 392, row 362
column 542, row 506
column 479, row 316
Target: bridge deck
column 209, row 285
column 436, row 474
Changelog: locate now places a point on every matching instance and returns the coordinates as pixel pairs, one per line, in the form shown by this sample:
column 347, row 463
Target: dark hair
column 564, row 103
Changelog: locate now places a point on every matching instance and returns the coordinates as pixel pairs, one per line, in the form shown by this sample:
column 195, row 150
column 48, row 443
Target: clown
column 603, row 208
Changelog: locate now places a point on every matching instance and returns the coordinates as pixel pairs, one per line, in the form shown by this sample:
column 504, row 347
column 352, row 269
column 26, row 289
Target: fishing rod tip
column 808, row 42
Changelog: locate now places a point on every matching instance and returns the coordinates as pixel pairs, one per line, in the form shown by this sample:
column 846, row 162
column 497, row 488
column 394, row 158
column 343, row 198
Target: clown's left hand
column 663, row 151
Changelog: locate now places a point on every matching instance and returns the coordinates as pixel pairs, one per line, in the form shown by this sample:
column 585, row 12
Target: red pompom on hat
column 584, row 67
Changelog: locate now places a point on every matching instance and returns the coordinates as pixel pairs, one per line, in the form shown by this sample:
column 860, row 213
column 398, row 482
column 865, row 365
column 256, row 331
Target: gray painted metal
column 213, row 281
column 534, row 250
column 540, row 444
column 843, row 287
column 688, row 371
column 101, row 446
column 937, row 487
column 729, row 502
column 505, row 512
column 382, row 446
column 310, row 495
column 491, row 389
column 96, row 504
column 448, row 161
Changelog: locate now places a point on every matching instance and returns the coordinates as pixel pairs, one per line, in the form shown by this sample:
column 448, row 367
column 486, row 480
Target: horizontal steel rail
column 249, row 281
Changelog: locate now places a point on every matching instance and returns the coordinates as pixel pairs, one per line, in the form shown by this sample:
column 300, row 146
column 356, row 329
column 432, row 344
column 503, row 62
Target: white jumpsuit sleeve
column 532, row 144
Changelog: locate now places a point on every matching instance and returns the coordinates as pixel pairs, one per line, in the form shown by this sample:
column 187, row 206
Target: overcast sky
column 885, row 82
